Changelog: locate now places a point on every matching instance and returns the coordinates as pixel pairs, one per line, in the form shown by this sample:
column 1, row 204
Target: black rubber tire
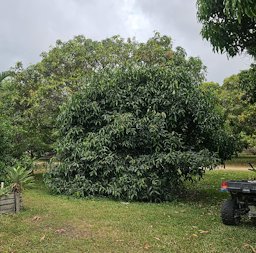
column 253, row 220
column 228, row 213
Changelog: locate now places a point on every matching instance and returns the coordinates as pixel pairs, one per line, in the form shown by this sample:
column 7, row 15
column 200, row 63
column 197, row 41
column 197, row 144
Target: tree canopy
column 137, row 132
column 4, row 74
column 230, row 25
column 237, row 98
column 134, row 120
column 33, row 96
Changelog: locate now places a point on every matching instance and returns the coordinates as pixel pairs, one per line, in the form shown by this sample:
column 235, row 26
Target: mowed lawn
column 190, row 224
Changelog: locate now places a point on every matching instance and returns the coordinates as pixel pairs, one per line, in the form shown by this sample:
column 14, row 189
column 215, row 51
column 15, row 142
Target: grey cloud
column 28, row 27
column 178, row 19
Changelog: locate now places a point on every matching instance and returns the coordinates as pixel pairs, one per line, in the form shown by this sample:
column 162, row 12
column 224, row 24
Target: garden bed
column 11, row 203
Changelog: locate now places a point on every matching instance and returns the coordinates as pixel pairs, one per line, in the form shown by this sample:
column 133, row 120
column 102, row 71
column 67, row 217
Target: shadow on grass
column 247, row 223
column 203, row 197
column 204, row 193
column 39, row 183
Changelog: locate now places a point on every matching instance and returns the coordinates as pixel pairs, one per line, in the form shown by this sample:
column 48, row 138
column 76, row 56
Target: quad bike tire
column 229, row 214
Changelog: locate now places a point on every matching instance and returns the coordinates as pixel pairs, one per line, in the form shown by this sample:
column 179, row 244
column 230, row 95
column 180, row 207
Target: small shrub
column 19, row 178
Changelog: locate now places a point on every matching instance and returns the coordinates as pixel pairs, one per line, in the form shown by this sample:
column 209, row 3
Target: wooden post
column 16, row 202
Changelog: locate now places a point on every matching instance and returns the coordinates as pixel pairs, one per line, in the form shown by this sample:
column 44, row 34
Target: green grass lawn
column 191, row 224
column 243, row 159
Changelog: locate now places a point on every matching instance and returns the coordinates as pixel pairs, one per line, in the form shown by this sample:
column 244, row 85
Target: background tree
column 237, row 99
column 248, row 83
column 230, row 25
column 32, row 98
column 136, row 133
column 214, row 92
column 4, row 74
column 6, row 149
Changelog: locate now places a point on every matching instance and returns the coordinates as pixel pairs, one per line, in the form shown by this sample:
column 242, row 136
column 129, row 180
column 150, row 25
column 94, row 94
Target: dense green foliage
column 136, row 133
column 32, row 97
column 5, row 132
column 143, row 106
column 5, row 145
column 4, row 74
column 230, row 25
column 239, row 106
column 235, row 100
column 248, row 83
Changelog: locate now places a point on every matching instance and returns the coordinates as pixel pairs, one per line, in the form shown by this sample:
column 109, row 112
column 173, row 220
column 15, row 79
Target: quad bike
column 242, row 201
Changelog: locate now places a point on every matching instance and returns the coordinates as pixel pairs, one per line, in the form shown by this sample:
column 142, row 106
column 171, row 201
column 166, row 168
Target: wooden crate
column 11, row 203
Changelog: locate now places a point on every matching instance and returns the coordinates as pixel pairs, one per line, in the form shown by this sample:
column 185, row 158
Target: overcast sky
column 29, row 27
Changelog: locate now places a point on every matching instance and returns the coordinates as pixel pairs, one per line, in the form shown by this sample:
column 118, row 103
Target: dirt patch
column 236, row 167
column 74, row 232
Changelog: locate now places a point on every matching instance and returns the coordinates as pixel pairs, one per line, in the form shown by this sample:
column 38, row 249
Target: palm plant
column 20, row 178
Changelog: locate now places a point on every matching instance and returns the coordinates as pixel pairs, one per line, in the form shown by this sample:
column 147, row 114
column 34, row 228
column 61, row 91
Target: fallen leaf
column 60, row 231
column 194, row 235
column 203, row 231
column 146, row 246
column 195, row 227
column 36, row 218
column 42, row 238
column 251, row 247
column 158, row 239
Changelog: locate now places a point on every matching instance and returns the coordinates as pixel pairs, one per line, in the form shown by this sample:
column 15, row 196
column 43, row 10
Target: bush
column 6, row 154
column 19, row 178
column 137, row 134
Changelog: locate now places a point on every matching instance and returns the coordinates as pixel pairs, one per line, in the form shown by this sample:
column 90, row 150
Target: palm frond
column 20, row 178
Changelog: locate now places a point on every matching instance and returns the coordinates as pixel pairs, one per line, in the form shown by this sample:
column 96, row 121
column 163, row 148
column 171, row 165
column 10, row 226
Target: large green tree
column 230, row 25
column 6, row 131
column 6, row 148
column 33, row 96
column 137, row 132
column 237, row 98
column 248, row 83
